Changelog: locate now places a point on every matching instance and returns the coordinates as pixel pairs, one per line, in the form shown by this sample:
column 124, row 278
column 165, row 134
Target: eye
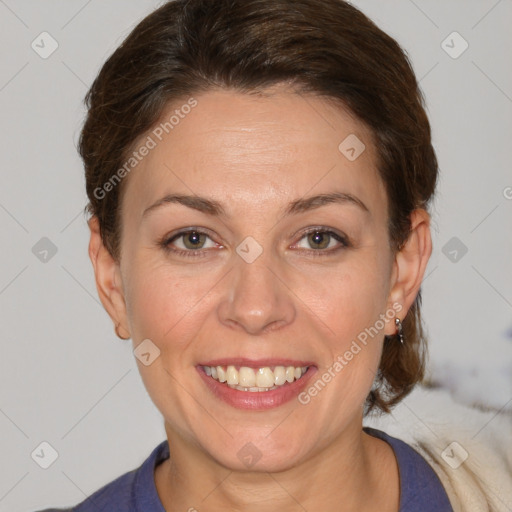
column 322, row 240
column 189, row 241
column 194, row 242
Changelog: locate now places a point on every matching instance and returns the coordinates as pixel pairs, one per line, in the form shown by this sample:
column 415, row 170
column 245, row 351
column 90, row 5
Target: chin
column 259, row 453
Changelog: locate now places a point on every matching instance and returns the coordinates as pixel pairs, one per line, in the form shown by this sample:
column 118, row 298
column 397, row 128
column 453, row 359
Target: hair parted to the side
column 326, row 48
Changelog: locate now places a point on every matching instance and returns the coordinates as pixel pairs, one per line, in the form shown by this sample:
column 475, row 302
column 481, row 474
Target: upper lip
column 256, row 363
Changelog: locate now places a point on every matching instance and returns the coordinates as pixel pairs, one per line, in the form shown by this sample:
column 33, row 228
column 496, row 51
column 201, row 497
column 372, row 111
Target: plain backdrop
column 66, row 379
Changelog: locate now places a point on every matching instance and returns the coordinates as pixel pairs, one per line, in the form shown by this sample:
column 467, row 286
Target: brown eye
column 191, row 241
column 319, row 239
column 194, row 240
column 322, row 241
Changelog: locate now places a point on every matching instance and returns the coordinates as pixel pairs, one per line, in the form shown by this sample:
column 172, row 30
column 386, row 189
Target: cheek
column 164, row 300
column 165, row 306
column 348, row 297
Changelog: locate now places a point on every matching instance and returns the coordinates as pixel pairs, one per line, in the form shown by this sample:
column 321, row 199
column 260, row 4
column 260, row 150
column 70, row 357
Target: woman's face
column 233, row 274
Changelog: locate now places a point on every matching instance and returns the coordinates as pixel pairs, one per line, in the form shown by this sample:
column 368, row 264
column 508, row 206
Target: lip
column 256, row 401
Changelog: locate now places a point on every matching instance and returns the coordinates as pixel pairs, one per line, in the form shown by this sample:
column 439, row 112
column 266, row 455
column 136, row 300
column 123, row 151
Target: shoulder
column 469, row 450
column 116, row 495
column 420, row 487
column 133, row 491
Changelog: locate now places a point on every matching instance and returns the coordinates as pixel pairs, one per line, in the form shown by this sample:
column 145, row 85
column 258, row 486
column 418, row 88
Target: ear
column 409, row 266
column 108, row 280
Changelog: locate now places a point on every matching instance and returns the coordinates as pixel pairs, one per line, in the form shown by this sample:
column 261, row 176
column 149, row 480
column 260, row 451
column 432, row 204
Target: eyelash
column 166, row 241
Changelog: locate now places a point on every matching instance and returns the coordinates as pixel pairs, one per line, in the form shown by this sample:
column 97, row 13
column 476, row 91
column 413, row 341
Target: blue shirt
column 135, row 491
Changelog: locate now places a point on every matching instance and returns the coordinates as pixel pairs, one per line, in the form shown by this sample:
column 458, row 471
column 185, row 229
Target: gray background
column 65, row 377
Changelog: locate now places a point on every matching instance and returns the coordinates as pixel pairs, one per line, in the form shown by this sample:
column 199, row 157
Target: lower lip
column 257, row 400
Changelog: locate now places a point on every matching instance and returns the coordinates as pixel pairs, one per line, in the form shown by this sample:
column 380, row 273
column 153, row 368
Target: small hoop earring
column 116, row 328
column 400, row 330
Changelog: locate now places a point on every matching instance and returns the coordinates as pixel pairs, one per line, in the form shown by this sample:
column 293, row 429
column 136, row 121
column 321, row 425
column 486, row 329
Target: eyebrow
column 214, row 208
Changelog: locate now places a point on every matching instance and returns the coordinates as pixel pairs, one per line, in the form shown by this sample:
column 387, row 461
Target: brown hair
column 327, row 48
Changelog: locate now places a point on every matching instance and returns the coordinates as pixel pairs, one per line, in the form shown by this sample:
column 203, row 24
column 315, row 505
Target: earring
column 400, row 330
column 117, row 332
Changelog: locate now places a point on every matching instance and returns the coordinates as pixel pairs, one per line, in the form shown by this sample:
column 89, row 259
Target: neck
column 354, row 472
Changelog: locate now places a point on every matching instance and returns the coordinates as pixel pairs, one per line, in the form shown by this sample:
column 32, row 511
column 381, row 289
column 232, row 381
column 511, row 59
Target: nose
column 257, row 298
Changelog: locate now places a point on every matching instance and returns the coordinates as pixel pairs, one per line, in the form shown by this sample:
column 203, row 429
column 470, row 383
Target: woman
column 259, row 175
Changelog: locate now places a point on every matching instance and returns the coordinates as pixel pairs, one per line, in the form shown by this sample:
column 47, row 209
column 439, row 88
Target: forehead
column 256, row 150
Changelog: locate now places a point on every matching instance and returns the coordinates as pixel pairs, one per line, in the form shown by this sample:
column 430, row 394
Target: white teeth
column 279, row 375
column 264, row 377
column 255, row 380
column 252, row 389
column 221, row 374
column 247, row 377
column 232, row 375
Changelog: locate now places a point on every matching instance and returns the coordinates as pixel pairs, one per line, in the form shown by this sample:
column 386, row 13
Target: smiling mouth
column 265, row 378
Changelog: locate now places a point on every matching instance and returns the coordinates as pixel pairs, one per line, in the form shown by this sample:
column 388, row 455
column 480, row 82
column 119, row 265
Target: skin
column 254, row 155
